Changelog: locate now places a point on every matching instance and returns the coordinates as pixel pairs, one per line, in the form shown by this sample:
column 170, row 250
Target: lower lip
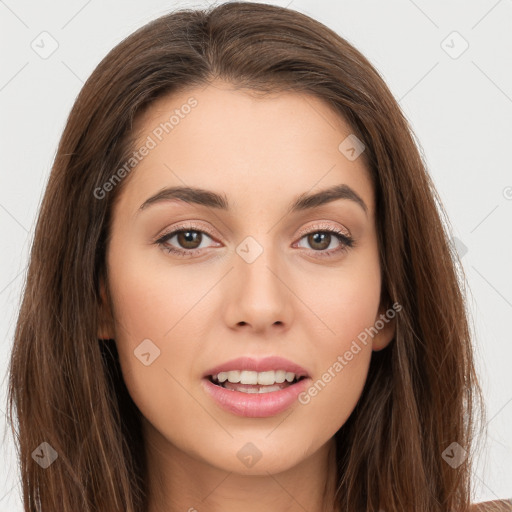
column 255, row 405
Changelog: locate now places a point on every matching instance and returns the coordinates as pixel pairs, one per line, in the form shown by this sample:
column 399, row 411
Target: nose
column 259, row 298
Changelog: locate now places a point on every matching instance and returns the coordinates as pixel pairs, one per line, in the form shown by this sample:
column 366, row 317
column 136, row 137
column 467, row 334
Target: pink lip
column 255, row 405
column 258, row 365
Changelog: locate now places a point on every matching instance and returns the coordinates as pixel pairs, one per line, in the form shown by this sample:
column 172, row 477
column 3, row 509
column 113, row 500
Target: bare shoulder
column 492, row 506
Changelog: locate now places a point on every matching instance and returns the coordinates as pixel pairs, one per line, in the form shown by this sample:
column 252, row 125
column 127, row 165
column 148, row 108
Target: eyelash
column 346, row 241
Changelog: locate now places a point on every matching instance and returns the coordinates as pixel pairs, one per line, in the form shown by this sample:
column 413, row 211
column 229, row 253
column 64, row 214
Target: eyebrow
column 213, row 200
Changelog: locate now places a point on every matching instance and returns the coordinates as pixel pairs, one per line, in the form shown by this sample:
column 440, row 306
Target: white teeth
column 233, row 376
column 289, row 376
column 223, row 377
column 266, row 378
column 250, row 377
column 267, row 389
column 280, row 376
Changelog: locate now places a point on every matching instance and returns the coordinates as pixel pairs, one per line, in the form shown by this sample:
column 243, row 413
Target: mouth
column 255, row 394
column 252, row 382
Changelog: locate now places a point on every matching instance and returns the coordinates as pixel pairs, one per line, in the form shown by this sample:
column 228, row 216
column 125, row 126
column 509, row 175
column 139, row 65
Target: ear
column 106, row 320
column 385, row 324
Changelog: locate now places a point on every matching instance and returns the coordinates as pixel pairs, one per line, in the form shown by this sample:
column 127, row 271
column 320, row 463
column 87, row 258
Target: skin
column 206, row 309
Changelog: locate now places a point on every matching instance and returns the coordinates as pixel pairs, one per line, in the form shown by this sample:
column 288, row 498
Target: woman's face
column 249, row 276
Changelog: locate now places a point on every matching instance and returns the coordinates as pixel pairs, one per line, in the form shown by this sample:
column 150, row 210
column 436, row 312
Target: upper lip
column 264, row 364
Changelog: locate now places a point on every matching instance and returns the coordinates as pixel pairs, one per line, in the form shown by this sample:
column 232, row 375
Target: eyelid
column 200, row 227
column 324, row 225
column 189, row 224
column 341, row 233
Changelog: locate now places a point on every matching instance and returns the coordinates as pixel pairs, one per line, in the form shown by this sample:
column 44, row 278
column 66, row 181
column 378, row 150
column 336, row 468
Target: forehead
column 241, row 143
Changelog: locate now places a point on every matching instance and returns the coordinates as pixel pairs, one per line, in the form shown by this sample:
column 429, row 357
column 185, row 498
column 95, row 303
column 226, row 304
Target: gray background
column 459, row 104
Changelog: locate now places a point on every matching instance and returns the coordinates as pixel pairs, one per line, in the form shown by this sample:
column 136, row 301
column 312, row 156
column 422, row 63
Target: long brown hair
column 66, row 387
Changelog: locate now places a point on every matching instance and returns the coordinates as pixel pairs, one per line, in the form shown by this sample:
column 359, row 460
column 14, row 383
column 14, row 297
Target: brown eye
column 319, row 240
column 185, row 241
column 189, row 239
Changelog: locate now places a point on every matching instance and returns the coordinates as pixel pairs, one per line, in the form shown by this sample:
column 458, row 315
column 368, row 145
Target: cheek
column 345, row 304
column 343, row 301
column 156, row 329
column 151, row 297
column 341, row 368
